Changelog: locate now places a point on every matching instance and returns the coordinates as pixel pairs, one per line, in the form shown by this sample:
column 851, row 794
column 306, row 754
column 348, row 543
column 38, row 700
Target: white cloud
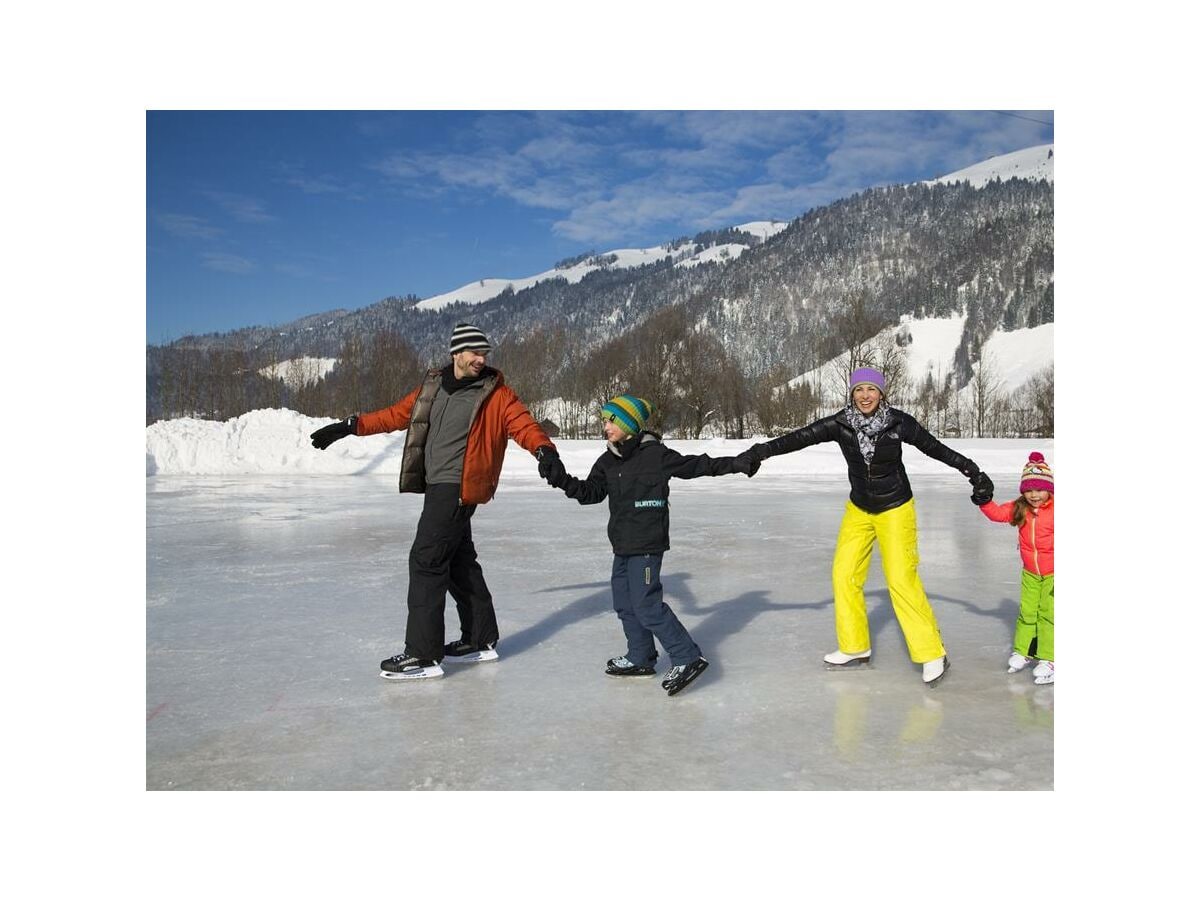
column 228, row 262
column 185, row 226
column 244, row 209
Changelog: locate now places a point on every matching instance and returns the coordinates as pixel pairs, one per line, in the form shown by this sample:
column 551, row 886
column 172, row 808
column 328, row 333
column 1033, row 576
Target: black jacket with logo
column 634, row 476
column 881, row 484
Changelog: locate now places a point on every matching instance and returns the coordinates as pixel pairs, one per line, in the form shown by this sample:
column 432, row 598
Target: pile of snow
column 296, row 373
column 276, row 442
column 487, row 288
column 1033, row 163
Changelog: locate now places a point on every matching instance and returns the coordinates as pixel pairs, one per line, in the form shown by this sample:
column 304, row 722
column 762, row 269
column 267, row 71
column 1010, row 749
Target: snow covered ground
column 272, row 596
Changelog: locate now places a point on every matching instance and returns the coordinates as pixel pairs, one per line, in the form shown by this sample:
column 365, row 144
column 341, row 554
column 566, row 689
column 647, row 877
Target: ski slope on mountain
column 1033, row 163
column 1011, row 357
column 488, row 288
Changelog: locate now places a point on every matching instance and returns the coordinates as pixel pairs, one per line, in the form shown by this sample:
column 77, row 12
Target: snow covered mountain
column 959, row 268
column 1032, row 163
column 686, row 253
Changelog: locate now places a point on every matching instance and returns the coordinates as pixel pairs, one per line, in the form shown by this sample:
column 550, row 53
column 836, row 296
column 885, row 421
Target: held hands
column 323, row 437
column 747, row 462
column 545, row 455
column 551, row 467
column 983, row 488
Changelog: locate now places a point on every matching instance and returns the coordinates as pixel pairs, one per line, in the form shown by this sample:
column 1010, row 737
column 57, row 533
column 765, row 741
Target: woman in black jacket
column 880, row 510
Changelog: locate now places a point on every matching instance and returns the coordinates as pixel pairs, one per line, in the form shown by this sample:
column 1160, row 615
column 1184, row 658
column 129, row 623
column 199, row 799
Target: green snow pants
column 1034, row 634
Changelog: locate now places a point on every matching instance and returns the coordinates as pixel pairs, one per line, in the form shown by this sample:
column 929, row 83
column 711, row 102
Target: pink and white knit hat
column 1036, row 476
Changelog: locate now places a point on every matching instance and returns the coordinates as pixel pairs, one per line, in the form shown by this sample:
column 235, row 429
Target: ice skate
column 681, row 676
column 465, row 652
column 933, row 671
column 405, row 665
column 1043, row 672
column 1017, row 662
column 839, row 660
column 623, row 668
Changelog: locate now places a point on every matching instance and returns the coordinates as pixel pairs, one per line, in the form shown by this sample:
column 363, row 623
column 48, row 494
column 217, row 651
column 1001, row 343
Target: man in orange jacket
column 459, row 421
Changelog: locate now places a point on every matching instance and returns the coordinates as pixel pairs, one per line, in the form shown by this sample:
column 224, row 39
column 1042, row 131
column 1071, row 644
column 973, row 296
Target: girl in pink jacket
column 1032, row 514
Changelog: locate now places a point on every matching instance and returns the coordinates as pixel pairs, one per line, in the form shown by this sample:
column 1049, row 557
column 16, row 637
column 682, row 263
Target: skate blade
column 476, row 656
column 629, row 677
column 1049, row 680
column 435, row 672
column 852, row 664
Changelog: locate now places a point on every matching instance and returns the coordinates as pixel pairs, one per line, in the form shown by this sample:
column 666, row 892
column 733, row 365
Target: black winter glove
column 747, row 462
column 323, row 437
column 983, row 489
column 556, row 473
column 545, row 456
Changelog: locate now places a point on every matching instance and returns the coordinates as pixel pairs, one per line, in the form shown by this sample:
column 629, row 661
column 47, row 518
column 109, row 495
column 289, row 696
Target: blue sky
column 258, row 218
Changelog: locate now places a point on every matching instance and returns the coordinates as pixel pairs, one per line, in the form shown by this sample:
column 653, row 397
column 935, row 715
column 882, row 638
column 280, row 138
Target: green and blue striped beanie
column 627, row 412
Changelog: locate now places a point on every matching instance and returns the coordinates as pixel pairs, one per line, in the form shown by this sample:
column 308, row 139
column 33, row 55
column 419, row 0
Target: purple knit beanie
column 1036, row 476
column 866, row 376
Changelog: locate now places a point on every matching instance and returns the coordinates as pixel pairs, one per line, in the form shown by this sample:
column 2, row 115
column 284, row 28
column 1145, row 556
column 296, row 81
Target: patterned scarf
column 868, row 428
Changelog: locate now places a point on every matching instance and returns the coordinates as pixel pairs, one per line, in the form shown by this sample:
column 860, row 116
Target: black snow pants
column 443, row 559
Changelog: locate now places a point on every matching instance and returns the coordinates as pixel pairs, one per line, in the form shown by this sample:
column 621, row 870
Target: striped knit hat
column 468, row 337
column 627, row 412
column 1036, row 476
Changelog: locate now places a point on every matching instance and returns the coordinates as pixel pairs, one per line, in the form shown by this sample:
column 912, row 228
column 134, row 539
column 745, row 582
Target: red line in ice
column 154, row 712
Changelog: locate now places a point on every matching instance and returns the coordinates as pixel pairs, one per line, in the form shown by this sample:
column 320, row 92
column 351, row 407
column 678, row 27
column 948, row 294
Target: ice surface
column 271, row 600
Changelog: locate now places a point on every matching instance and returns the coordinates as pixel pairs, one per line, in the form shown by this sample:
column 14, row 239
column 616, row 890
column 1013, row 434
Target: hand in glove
column 556, row 473
column 747, row 462
column 323, row 437
column 546, row 456
column 983, row 489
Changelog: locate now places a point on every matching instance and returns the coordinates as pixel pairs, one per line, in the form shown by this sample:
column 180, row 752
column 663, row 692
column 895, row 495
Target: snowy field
column 271, row 599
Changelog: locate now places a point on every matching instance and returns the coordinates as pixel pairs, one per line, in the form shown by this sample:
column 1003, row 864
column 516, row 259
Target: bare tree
column 984, row 394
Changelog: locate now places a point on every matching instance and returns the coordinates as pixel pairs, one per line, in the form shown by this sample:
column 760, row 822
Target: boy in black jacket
column 634, row 473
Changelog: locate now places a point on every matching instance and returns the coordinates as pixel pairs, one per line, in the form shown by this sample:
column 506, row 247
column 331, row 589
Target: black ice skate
column 681, row 676
column 623, row 668
column 465, row 652
column 404, row 665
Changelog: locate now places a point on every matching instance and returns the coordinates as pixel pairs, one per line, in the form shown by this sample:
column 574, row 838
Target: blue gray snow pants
column 638, row 600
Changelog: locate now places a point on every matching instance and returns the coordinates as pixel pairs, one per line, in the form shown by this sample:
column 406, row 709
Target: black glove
column 747, row 462
column 545, row 456
column 323, row 437
column 556, row 473
column 983, row 489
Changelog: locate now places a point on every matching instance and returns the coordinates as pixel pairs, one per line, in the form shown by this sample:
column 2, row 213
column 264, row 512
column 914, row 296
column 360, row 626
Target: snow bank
column 276, row 442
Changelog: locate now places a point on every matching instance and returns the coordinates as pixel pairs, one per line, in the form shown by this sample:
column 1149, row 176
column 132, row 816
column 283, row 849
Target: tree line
column 697, row 387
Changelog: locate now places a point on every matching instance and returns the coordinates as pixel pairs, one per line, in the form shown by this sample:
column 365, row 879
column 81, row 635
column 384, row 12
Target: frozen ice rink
column 271, row 600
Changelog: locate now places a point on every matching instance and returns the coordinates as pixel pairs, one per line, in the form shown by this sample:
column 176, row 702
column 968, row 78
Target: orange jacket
column 500, row 416
column 1035, row 538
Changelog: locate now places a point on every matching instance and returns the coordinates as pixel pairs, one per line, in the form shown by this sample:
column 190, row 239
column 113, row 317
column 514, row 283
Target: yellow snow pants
column 896, row 533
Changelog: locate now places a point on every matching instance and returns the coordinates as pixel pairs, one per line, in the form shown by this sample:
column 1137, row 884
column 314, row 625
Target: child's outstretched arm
column 592, row 490
column 998, row 512
column 676, row 465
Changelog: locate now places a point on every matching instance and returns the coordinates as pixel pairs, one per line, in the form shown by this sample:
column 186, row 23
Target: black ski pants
column 443, row 559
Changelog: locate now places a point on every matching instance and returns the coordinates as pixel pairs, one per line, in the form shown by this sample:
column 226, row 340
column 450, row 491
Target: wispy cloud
column 623, row 175
column 187, row 227
column 228, row 262
column 298, row 177
column 241, row 208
